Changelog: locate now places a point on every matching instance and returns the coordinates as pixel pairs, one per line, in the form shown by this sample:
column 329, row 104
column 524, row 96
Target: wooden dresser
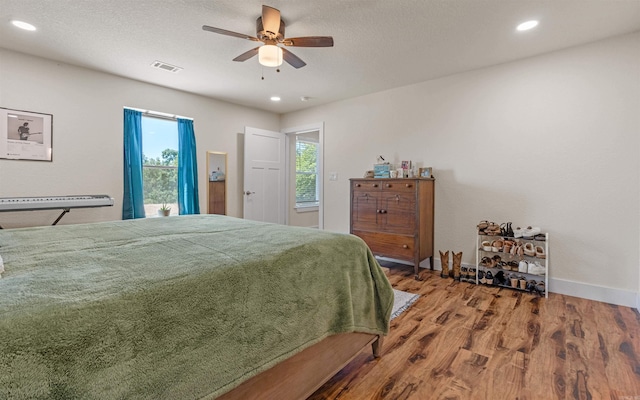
column 217, row 204
column 395, row 217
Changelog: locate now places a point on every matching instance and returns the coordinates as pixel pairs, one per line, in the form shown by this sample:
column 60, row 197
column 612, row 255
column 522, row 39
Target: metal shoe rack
column 513, row 279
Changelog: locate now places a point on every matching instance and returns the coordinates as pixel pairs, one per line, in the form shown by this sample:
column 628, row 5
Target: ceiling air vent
column 165, row 66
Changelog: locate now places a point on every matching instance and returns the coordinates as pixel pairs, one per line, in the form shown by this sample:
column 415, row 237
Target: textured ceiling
column 379, row 44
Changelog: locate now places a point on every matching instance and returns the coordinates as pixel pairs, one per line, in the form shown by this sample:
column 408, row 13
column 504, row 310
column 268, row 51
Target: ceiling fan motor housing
column 267, row 35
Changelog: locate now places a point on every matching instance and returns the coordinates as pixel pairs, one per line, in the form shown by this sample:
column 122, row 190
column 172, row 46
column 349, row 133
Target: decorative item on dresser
column 395, row 217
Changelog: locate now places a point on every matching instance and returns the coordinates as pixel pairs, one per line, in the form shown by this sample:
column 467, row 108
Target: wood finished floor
column 461, row 341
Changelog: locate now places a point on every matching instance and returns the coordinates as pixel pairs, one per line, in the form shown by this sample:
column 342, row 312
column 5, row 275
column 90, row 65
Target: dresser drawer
column 399, row 186
column 389, row 245
column 366, row 185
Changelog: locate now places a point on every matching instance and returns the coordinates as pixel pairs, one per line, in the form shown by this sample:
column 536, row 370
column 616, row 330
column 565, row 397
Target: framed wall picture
column 26, row 135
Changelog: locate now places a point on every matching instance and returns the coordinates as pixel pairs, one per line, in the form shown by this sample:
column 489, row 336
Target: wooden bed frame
column 296, row 378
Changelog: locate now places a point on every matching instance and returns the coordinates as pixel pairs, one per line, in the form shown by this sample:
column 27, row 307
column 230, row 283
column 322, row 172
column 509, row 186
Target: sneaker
column 517, row 233
column 530, row 232
column 523, row 267
column 536, row 269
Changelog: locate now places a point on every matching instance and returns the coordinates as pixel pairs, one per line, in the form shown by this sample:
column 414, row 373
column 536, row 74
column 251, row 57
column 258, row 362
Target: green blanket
column 174, row 308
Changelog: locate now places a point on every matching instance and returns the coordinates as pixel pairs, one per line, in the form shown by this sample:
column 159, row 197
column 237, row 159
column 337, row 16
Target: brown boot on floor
column 444, row 261
column 457, row 260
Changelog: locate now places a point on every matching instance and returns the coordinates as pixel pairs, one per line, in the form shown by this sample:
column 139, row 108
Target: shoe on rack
column 531, row 285
column 509, row 230
column 536, row 269
column 508, row 244
column 529, row 250
column 540, row 288
column 523, row 267
column 472, row 275
column 517, row 233
column 522, row 283
column 497, row 245
column 493, row 229
column 481, row 277
column 489, row 278
column 540, row 253
column 541, row 237
column 482, row 226
column 495, row 260
column 500, row 278
column 486, row 245
column 504, row 229
column 514, row 248
column 486, row 262
column 463, row 274
column 530, row 232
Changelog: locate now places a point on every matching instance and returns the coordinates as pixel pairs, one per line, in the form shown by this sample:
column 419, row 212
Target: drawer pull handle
column 388, row 185
column 404, row 246
column 375, row 185
column 357, row 185
column 408, row 185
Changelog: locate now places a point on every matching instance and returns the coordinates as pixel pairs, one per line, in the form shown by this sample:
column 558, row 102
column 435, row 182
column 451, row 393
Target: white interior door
column 264, row 175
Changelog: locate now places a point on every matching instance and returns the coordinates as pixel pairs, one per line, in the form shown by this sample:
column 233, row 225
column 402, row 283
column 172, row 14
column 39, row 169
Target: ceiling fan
column 270, row 31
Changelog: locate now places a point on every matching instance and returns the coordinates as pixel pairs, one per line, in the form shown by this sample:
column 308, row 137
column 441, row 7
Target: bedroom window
column 159, row 164
column 306, row 172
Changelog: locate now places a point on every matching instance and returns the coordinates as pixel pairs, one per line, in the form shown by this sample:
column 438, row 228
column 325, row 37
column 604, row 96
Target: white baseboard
column 583, row 290
column 604, row 294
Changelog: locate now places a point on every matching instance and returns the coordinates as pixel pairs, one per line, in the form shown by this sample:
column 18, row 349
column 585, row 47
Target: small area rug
column 402, row 301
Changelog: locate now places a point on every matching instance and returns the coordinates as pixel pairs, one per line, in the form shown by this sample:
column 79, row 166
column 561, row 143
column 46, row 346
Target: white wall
column 551, row 141
column 87, row 134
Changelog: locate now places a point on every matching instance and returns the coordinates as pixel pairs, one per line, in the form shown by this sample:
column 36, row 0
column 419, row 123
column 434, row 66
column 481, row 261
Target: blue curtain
column 133, row 201
column 187, row 169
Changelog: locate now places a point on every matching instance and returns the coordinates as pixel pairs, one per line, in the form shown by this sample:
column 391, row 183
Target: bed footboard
column 301, row 375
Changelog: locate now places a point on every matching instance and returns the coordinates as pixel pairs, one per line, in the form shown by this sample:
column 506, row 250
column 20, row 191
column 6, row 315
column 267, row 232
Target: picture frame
column 26, row 135
column 425, row 172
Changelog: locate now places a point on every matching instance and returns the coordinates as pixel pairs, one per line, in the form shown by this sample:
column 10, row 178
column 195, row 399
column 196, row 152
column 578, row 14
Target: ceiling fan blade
column 292, row 59
column 247, row 54
column 229, row 33
column 271, row 20
column 309, row 41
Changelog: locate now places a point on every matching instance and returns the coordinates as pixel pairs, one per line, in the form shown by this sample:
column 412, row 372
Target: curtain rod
column 158, row 114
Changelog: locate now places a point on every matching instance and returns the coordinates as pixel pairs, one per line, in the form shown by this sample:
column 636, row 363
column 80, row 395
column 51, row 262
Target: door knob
column 248, row 193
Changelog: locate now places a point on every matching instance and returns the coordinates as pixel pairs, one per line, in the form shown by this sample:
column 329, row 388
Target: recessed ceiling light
column 275, row 98
column 525, row 26
column 23, row 25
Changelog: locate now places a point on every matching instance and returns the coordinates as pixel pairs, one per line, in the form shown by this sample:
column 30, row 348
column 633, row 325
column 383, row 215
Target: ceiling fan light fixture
column 270, row 55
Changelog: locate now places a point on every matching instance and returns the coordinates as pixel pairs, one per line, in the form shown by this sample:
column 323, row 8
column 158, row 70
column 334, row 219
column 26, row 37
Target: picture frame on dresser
column 26, row 135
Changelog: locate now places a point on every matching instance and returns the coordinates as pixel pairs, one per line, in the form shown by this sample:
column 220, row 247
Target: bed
column 185, row 307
